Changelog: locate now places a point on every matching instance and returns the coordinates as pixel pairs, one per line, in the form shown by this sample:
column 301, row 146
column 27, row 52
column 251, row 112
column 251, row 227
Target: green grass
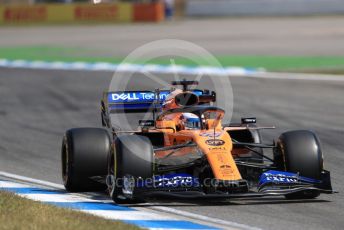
column 284, row 63
column 21, row 213
column 270, row 63
column 47, row 53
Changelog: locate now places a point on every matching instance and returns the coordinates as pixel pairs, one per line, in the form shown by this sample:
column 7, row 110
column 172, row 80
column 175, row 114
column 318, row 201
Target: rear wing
column 143, row 101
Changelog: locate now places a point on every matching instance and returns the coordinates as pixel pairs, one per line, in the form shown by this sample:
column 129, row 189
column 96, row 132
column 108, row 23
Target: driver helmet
column 190, row 121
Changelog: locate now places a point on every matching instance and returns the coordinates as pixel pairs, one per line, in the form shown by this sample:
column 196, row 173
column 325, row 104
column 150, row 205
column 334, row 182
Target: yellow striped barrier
column 69, row 13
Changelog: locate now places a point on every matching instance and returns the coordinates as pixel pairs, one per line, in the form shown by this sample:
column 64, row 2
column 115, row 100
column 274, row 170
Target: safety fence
column 79, row 13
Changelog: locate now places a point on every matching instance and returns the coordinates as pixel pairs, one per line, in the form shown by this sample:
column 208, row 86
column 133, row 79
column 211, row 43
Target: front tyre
column 132, row 161
column 84, row 155
column 300, row 152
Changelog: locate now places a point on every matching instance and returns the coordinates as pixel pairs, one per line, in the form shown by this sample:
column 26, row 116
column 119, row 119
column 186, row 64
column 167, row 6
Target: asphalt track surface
column 37, row 106
column 222, row 36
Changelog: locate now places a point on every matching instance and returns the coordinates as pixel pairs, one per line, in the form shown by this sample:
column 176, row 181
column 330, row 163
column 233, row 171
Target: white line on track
column 56, row 198
column 204, row 219
column 134, row 215
column 31, row 180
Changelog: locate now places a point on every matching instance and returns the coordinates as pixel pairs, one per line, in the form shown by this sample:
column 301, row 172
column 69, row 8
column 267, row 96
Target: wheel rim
column 111, row 174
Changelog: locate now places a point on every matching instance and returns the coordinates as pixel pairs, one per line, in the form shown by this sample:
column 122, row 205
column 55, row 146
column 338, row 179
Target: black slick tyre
column 84, row 155
column 300, row 152
column 133, row 157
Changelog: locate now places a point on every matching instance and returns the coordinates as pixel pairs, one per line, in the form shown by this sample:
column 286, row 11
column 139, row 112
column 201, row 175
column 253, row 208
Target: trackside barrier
column 145, row 12
column 79, row 13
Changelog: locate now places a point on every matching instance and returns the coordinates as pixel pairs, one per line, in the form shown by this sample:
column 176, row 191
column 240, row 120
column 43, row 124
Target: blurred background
column 277, row 35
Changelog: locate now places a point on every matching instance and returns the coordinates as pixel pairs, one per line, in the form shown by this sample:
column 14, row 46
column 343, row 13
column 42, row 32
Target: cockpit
column 193, row 118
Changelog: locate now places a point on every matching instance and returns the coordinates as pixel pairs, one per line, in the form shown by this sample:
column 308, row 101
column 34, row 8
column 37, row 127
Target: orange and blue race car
column 187, row 151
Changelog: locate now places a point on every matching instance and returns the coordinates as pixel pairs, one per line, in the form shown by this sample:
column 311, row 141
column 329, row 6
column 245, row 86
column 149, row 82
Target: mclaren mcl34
column 187, row 151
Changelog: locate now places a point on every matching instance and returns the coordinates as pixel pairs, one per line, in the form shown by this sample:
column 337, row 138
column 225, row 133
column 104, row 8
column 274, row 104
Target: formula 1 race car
column 187, row 151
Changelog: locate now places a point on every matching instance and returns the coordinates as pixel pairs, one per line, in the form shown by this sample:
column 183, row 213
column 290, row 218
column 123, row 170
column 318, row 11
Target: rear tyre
column 84, row 155
column 300, row 152
column 255, row 155
column 133, row 159
column 249, row 136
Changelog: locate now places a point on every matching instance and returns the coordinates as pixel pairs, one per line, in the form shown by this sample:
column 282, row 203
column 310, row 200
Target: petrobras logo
column 143, row 97
column 278, row 177
column 176, row 180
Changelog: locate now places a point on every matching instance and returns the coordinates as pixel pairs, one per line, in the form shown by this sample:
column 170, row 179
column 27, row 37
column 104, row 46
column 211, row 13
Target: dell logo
column 124, row 97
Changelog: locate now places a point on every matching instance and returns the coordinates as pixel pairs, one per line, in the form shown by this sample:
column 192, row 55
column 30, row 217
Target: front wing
column 271, row 183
